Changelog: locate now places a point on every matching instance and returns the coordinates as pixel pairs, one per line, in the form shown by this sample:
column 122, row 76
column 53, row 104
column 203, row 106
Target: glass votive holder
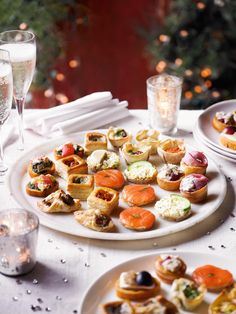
column 18, row 241
column 163, row 96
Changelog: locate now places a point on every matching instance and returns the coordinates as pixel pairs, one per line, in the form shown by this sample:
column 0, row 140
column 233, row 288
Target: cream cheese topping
column 40, row 159
column 41, row 185
column 125, row 309
column 167, row 170
column 223, row 115
column 151, row 306
column 231, row 137
column 140, row 172
column 170, row 207
column 188, row 184
column 102, row 159
column 127, row 280
column 170, row 262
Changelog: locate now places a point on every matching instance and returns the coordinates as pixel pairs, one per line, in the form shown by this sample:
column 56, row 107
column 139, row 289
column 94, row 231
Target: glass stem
column 3, row 167
column 1, row 147
column 20, row 109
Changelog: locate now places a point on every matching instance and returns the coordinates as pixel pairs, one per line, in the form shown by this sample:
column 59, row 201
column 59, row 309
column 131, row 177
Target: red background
column 111, row 53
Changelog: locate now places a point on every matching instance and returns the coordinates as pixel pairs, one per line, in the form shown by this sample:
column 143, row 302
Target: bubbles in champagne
column 5, row 90
column 23, row 58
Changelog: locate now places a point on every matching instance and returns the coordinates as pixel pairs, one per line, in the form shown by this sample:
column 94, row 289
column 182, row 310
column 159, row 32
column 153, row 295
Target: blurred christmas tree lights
column 198, row 42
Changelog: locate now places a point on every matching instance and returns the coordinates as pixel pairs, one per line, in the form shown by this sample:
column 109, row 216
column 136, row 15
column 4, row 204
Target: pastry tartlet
column 136, row 286
column 95, row 220
column 138, row 194
column 171, row 151
column 169, row 267
column 42, row 185
column 118, row 136
column 68, row 149
column 102, row 159
column 94, row 141
column 187, row 294
column 194, row 162
column 116, row 307
column 41, row 165
column 194, row 187
column 173, row 207
column 169, row 177
column 228, row 137
column 149, row 138
column 80, row 185
column 103, row 199
column 71, row 165
column 141, row 172
column 59, row 202
column 155, row 305
column 133, row 153
column 222, row 119
column 224, row 303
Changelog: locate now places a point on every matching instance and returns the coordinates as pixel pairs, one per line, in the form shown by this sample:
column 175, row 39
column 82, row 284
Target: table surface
column 67, row 265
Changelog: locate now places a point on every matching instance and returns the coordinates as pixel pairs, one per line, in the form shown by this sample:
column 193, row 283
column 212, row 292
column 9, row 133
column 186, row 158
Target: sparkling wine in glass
column 22, row 48
column 6, row 94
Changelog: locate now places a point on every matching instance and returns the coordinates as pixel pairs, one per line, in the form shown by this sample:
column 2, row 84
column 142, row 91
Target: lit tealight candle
column 164, row 93
column 18, row 240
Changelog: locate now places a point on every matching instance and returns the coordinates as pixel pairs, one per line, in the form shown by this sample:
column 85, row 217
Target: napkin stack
column 89, row 112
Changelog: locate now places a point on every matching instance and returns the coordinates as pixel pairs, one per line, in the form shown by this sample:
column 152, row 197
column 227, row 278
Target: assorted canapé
column 225, row 124
column 142, row 291
column 96, row 175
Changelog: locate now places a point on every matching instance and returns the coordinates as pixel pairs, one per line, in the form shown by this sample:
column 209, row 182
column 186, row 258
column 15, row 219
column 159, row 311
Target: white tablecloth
column 67, row 265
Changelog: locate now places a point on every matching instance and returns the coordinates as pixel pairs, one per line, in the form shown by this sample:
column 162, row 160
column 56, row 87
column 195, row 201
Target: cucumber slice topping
column 173, row 207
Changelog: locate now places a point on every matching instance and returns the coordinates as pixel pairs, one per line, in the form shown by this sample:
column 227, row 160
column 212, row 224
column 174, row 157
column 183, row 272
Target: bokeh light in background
column 83, row 49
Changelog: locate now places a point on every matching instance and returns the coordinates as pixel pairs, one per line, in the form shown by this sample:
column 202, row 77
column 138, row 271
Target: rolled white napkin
column 92, row 120
column 89, row 112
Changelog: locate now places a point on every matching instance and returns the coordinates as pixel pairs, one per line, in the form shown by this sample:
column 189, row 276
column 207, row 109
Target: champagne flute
column 22, row 48
column 6, row 94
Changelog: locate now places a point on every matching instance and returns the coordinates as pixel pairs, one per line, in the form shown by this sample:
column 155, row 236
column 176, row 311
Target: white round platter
column 102, row 290
column 18, row 179
column 204, row 123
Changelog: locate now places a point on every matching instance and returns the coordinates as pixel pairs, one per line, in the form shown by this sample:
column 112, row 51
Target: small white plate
column 18, row 179
column 204, row 123
column 212, row 148
column 209, row 144
column 102, row 290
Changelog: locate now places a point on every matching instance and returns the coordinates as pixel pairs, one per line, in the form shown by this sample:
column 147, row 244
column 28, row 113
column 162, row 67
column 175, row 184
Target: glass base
column 170, row 132
column 3, row 169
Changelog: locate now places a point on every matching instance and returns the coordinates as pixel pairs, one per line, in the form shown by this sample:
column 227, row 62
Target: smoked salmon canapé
column 137, row 218
column 214, row 278
column 110, row 178
column 138, row 194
